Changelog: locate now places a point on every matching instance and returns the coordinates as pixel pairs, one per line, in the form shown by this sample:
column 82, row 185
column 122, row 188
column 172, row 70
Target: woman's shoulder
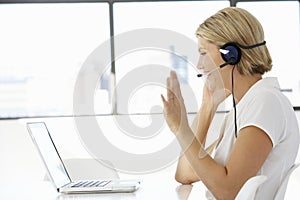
column 267, row 92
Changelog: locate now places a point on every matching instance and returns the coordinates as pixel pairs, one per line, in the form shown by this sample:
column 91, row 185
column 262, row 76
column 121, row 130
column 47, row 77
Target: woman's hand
column 214, row 91
column 174, row 108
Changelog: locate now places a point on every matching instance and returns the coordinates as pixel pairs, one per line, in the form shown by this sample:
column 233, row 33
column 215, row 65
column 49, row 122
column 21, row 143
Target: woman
column 260, row 135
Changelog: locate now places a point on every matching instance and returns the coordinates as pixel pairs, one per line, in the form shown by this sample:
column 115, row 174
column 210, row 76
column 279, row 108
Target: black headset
column 231, row 52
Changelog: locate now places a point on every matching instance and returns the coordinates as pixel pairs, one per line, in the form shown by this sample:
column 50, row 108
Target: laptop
column 58, row 173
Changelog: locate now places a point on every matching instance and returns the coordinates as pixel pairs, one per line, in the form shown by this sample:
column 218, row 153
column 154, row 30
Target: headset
column 231, row 53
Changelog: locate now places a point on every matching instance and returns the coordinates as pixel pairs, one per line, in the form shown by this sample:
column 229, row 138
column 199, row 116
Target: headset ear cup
column 234, row 54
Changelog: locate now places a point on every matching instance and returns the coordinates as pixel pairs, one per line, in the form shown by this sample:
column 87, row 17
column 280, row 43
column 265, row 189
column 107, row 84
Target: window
column 280, row 20
column 171, row 27
column 43, row 47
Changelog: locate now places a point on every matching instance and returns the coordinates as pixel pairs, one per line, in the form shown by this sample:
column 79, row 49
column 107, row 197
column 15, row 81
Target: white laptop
column 58, row 172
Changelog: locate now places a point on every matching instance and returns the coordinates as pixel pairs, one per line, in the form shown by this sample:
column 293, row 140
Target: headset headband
column 251, row 46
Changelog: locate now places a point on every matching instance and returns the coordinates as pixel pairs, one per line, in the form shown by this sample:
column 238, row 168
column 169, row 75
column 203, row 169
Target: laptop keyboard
column 91, row 184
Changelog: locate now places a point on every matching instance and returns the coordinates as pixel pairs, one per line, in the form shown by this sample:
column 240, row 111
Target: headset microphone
column 229, row 62
column 206, row 74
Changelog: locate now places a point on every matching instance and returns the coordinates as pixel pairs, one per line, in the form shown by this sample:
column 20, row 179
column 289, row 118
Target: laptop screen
column 45, row 145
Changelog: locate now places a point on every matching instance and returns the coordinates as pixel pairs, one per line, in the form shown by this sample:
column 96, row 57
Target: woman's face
column 209, row 56
column 209, row 61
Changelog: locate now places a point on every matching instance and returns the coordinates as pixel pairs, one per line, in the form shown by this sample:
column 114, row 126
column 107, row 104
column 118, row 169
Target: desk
column 153, row 188
column 22, row 172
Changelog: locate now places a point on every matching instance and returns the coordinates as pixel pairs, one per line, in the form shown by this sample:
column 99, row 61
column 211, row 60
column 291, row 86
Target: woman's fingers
column 174, row 83
column 170, row 94
column 174, row 108
column 174, row 86
column 173, row 90
column 164, row 100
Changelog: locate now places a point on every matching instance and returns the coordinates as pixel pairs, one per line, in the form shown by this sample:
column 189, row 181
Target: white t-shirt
column 265, row 107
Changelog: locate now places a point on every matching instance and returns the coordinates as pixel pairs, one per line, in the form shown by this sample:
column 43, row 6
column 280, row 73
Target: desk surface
column 151, row 188
column 22, row 171
column 23, row 174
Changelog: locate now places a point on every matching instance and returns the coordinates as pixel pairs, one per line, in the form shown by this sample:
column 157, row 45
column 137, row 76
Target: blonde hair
column 238, row 25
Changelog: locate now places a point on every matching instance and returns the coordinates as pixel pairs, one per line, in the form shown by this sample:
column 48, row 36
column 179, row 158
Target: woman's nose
column 200, row 63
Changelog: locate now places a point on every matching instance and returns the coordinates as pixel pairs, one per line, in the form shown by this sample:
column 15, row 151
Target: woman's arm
column 248, row 155
column 184, row 172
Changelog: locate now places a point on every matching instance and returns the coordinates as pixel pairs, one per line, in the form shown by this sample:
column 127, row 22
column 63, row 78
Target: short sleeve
column 265, row 112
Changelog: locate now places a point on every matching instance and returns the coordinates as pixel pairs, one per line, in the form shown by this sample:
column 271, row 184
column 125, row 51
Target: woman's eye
column 202, row 53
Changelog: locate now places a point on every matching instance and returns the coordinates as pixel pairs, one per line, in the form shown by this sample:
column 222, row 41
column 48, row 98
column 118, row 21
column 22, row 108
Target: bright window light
column 280, row 20
column 183, row 18
column 43, row 46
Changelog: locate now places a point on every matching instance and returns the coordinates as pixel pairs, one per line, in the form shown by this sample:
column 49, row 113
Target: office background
column 45, row 44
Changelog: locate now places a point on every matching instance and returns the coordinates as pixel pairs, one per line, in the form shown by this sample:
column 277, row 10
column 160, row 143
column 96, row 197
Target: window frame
column 111, row 24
